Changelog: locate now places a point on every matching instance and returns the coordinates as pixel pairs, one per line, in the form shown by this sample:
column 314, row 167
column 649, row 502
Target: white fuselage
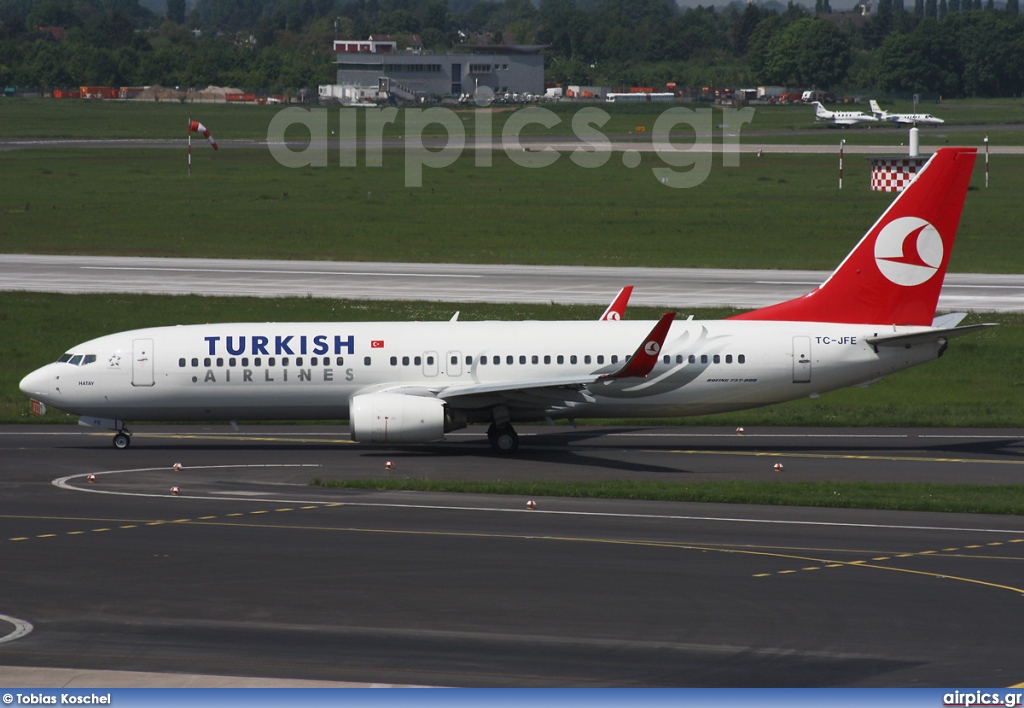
column 308, row 371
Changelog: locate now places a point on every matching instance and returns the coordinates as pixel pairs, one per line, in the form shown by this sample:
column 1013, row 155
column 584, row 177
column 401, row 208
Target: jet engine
column 400, row 418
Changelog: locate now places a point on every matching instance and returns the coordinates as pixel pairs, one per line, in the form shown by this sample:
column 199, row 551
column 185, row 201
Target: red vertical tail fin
column 895, row 273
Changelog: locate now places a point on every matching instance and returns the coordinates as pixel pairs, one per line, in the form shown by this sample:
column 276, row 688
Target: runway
column 668, row 287
column 250, row 571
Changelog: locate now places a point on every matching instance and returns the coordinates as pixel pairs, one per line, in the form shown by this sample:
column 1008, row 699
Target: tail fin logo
column 908, row 251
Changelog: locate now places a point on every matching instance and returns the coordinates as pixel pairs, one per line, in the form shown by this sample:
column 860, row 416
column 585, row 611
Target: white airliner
column 843, row 119
column 907, row 118
column 410, row 382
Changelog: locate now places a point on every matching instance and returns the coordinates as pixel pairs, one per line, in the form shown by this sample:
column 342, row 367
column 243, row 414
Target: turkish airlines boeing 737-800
column 409, row 382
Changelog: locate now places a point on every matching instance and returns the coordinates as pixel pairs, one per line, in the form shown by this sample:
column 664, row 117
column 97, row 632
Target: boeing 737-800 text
column 410, row 382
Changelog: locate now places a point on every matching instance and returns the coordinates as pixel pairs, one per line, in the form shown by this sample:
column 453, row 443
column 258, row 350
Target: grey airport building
column 376, row 66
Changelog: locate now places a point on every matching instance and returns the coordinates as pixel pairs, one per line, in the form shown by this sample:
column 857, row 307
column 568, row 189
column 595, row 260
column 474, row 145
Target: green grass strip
column 956, row 498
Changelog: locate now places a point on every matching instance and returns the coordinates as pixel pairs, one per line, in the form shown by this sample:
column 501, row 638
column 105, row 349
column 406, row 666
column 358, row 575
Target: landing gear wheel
column 122, row 441
column 503, row 439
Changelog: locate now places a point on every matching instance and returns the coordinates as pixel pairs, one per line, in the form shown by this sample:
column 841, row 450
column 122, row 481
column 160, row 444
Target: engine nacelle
column 399, row 418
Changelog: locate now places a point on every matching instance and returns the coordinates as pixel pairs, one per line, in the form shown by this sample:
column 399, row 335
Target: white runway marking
column 21, row 628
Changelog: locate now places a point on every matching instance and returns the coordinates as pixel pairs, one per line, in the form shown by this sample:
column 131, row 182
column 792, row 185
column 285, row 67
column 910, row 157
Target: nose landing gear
column 122, row 439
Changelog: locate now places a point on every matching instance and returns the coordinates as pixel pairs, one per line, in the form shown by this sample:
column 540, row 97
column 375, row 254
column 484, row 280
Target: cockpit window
column 89, row 358
column 76, row 360
column 64, row 358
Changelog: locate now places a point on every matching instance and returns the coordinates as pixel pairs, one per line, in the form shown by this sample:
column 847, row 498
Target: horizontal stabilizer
column 931, row 335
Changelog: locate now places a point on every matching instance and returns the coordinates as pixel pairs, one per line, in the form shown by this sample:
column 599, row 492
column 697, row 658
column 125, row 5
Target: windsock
column 197, row 127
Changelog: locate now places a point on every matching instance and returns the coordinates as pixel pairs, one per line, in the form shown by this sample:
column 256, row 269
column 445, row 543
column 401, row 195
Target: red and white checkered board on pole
column 894, row 174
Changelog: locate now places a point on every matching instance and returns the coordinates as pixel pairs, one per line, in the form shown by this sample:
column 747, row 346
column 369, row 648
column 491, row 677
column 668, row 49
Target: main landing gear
column 122, row 439
column 503, row 438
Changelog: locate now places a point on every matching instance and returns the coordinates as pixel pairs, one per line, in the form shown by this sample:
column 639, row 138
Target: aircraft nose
column 38, row 384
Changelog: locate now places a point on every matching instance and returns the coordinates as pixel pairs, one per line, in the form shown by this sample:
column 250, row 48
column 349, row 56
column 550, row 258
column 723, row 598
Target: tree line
column 947, row 47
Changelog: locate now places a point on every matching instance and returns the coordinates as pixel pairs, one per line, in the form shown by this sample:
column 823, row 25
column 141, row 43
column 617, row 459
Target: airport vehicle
column 841, row 119
column 905, row 118
column 410, row 382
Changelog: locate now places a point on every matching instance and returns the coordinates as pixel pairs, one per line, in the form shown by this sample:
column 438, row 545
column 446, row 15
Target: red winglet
column 646, row 355
column 617, row 309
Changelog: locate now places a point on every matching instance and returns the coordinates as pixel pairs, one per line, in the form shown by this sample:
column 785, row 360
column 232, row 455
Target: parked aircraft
column 843, row 119
column 410, row 382
column 907, row 118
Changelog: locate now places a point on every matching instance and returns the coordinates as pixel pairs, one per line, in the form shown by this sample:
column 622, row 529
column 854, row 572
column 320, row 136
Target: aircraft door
column 142, row 362
column 453, row 363
column 801, row 359
column 430, row 364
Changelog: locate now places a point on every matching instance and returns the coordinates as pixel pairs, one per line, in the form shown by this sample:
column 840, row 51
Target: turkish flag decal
column 376, row 343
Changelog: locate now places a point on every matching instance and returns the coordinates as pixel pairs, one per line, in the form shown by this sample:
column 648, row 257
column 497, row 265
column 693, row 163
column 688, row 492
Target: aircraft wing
column 639, row 365
column 931, row 335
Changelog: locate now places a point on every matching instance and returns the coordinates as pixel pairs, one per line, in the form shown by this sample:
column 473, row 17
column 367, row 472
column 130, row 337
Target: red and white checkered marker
column 778, row 467
column 175, row 490
column 91, row 478
column 894, row 174
column 531, row 504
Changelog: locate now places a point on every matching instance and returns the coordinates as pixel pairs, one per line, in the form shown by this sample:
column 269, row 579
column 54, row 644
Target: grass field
column 779, row 211
column 979, row 382
column 951, row 498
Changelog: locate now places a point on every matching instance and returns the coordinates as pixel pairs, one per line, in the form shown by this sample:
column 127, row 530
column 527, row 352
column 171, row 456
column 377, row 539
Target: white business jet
column 413, row 382
column 841, row 119
column 905, row 118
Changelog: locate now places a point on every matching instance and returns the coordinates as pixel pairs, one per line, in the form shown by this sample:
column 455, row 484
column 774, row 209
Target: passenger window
column 366, row 361
column 561, row 359
column 271, row 361
column 667, row 359
column 679, row 358
column 220, row 361
column 534, row 359
column 469, row 360
column 496, row 359
column 483, row 360
column 341, row 361
column 455, row 360
column 510, row 359
column 245, row 361
column 232, row 361
column 284, row 361
column 405, row 361
column 718, row 359
column 207, row 362
column 195, row 361
column 547, row 358
column 703, row 358
column 418, row 361
column 728, row 358
column 522, row 358
column 586, row 358
column 430, row 361
column 600, row 358
column 181, row 363
column 693, row 359
column 313, row 361
column 298, row 361
column 394, row 361
column 572, row 359
column 741, row 359
column 257, row 361
column 615, row 358
column 66, row 357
